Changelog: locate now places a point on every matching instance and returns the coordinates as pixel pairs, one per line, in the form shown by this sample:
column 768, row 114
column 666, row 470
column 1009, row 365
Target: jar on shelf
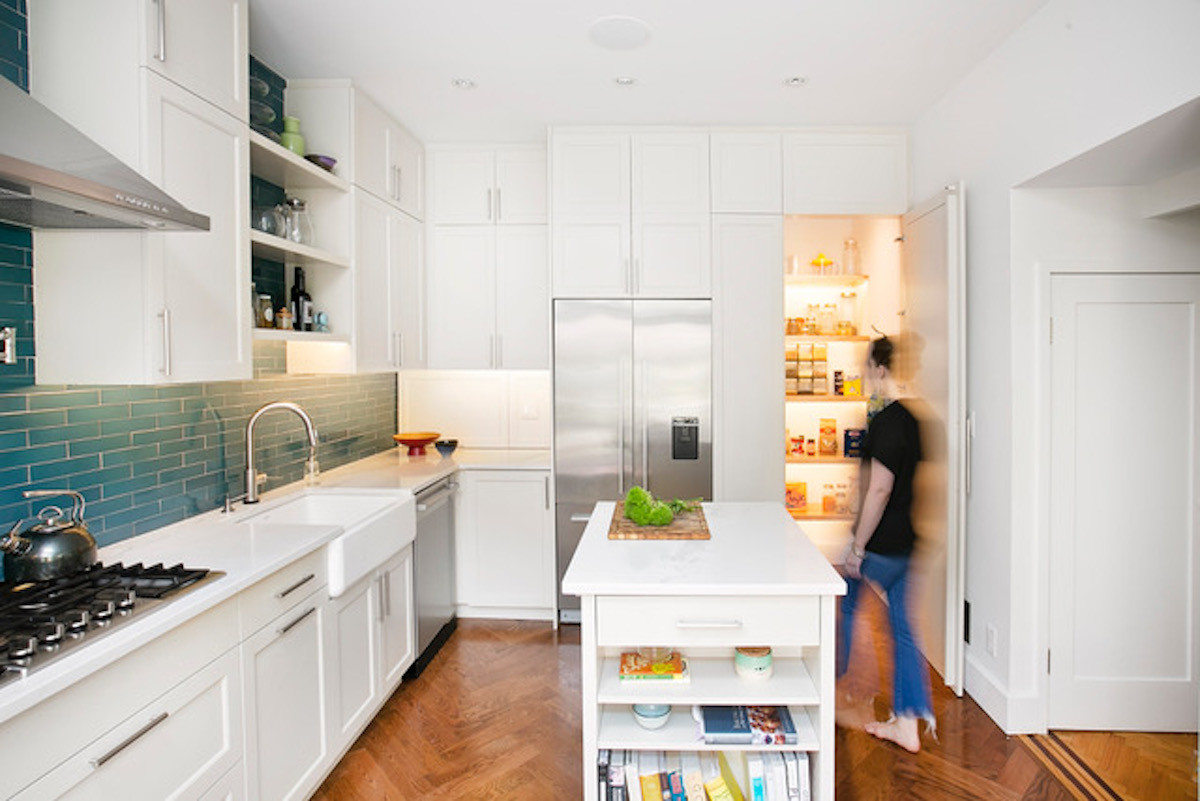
column 299, row 224
column 850, row 258
column 827, row 322
column 847, row 313
column 829, row 500
column 291, row 137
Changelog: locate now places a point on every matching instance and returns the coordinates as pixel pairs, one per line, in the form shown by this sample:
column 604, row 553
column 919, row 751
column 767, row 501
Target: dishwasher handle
column 428, row 500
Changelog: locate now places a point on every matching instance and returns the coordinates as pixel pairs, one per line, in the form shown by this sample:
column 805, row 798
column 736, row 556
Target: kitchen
column 946, row 146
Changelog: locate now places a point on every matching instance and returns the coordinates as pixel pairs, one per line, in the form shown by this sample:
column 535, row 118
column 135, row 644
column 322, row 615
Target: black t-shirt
column 894, row 439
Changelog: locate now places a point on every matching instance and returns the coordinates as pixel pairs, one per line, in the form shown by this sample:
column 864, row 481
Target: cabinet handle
column 399, row 180
column 635, row 278
column 499, row 350
column 489, row 205
column 580, row 518
column 387, row 594
column 398, row 360
column 160, row 52
column 546, row 479
column 492, row 351
column 130, row 740
column 382, row 612
column 708, row 624
column 497, row 204
column 296, row 622
column 285, row 593
column 166, row 341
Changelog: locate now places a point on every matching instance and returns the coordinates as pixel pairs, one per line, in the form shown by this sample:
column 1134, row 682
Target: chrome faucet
column 253, row 479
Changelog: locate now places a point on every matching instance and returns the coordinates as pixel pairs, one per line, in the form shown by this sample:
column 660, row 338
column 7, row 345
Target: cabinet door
column 373, row 342
column 372, row 166
column 201, row 47
column 462, row 297
column 521, row 185
column 287, row 746
column 672, row 257
column 846, row 173
column 408, row 291
column 406, row 170
column 591, row 259
column 354, row 668
column 522, row 298
column 670, row 174
column 511, row 537
column 398, row 641
column 203, row 714
column 590, row 176
column 200, row 156
column 747, row 173
column 462, row 187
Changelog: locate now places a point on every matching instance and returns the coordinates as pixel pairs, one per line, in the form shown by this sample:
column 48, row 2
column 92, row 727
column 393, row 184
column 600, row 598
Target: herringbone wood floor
column 496, row 715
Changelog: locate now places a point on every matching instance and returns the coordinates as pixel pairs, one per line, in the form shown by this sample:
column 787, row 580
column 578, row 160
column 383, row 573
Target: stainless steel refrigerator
column 632, row 406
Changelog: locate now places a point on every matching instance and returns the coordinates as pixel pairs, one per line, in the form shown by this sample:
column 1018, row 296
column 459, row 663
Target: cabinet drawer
column 703, row 620
column 278, row 592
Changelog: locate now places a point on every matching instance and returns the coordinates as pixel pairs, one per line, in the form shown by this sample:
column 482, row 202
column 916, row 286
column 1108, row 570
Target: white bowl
column 651, row 716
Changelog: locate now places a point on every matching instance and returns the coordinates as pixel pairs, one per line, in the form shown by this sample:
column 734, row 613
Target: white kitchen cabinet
column 389, row 162
column 503, row 185
column 230, row 787
column 176, row 306
column 505, row 544
column 174, row 748
column 851, row 172
column 630, row 214
column 488, row 304
column 748, row 318
column 389, row 286
column 201, row 47
column 371, row 644
column 747, row 172
column 284, row 667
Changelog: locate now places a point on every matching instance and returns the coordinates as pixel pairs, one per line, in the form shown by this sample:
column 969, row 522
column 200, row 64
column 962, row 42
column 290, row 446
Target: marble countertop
column 755, row 549
column 245, row 552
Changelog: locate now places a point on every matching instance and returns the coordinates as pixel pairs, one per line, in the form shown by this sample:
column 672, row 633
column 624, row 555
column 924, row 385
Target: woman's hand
column 854, row 560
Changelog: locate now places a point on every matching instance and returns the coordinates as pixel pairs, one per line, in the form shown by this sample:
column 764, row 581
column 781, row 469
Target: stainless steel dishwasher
column 433, row 570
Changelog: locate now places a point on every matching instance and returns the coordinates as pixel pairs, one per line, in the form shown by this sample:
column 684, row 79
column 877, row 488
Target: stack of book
column 703, row 776
column 671, row 668
column 746, row 725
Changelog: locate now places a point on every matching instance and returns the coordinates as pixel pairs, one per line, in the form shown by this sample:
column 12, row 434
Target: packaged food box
column 852, row 445
column 796, row 495
column 827, row 444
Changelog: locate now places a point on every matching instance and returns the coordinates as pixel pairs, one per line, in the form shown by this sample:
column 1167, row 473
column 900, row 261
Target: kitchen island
column 758, row 581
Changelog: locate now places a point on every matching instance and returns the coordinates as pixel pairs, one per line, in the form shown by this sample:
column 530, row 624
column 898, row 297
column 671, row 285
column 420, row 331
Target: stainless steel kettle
column 54, row 546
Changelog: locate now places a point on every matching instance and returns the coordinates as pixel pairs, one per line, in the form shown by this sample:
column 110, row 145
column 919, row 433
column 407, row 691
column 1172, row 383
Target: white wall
column 1078, row 73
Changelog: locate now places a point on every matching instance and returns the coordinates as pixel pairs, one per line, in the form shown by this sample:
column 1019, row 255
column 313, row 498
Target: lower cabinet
column 176, row 747
column 371, row 644
column 287, row 742
column 505, row 542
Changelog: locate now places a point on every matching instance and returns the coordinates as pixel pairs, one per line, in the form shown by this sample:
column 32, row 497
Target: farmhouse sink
column 375, row 526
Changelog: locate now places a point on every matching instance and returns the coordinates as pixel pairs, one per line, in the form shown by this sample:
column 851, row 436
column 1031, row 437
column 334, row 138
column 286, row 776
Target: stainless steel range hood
column 53, row 176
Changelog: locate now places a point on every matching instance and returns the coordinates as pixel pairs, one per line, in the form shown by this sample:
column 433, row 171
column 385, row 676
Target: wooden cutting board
column 685, row 526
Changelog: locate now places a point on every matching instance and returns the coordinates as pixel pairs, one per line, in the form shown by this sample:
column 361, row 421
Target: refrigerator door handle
column 644, row 414
column 624, row 404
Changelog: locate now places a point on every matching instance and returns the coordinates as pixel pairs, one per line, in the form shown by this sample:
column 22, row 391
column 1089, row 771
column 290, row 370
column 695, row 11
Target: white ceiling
column 707, row 62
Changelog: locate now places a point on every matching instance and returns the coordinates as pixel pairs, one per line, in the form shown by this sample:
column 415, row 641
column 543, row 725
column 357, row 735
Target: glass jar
column 850, row 258
column 299, row 224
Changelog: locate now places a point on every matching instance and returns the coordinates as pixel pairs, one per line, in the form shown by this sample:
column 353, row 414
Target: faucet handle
column 260, row 480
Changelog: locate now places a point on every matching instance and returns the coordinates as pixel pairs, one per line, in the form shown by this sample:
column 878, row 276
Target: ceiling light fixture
column 463, row 83
column 619, row 33
column 625, row 80
column 795, row 82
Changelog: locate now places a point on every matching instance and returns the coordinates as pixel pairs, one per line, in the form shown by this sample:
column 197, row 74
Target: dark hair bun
column 881, row 352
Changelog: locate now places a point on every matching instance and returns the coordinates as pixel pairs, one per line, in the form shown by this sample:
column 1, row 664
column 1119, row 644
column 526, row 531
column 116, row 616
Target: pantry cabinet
column 845, row 172
column 747, row 172
column 505, row 544
column 503, row 185
column 630, row 214
column 389, row 162
column 389, row 307
column 487, row 297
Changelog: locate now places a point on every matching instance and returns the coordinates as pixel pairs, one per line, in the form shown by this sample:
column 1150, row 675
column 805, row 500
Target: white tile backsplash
column 479, row 408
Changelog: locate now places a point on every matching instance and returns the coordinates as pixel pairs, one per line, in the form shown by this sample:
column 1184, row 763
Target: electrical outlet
column 8, row 345
column 990, row 645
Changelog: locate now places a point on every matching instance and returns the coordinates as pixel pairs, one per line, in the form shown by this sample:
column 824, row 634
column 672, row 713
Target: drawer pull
column 296, row 622
column 708, row 624
column 130, row 740
column 296, row 586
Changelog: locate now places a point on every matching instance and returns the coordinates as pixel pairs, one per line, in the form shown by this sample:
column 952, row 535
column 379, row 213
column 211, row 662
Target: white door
column 1123, row 536
column 373, row 347
column 522, row 298
column 462, row 297
column 407, row 251
column 935, row 330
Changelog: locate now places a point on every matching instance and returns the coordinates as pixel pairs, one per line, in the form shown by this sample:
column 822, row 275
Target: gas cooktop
column 42, row 620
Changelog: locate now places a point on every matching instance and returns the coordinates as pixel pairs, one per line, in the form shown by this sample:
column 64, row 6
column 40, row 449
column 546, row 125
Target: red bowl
column 416, row 441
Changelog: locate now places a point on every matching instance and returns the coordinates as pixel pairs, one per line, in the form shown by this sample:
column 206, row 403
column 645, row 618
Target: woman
column 882, row 549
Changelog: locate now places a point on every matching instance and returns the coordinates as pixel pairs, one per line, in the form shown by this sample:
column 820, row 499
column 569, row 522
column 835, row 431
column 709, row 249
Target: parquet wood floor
column 496, row 715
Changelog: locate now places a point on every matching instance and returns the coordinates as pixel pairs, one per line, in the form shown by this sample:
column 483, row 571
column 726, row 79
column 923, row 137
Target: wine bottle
column 301, row 303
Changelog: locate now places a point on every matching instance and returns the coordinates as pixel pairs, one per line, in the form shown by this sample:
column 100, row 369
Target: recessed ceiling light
column 619, row 33
column 625, row 80
column 795, row 81
column 463, row 83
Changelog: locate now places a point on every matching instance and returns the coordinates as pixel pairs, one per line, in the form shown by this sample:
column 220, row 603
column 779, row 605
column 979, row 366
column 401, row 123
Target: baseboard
column 505, row 612
column 1013, row 714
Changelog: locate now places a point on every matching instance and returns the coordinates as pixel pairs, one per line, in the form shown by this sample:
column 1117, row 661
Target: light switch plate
column 8, row 345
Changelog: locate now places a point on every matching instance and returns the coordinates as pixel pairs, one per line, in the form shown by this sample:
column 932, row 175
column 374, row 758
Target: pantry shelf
column 825, row 398
column 837, row 281
column 825, row 338
column 815, row 513
column 822, row 460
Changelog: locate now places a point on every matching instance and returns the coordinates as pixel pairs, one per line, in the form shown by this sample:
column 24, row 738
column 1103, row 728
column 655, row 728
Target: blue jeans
column 910, row 676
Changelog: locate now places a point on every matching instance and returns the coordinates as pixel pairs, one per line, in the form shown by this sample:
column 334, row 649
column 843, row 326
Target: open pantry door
column 934, row 346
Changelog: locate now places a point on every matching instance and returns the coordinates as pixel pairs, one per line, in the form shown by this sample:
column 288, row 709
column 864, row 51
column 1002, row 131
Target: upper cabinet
column 389, row 162
column 179, row 303
column 747, row 172
column 503, row 185
column 630, row 214
column 863, row 172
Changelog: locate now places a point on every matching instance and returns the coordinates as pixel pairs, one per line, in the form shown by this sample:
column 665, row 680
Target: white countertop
column 246, row 552
column 755, row 549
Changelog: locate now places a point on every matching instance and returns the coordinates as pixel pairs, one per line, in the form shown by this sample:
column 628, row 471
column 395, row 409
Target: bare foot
column 901, row 731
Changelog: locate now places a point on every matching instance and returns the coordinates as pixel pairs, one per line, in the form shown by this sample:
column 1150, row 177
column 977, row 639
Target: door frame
column 1046, row 270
